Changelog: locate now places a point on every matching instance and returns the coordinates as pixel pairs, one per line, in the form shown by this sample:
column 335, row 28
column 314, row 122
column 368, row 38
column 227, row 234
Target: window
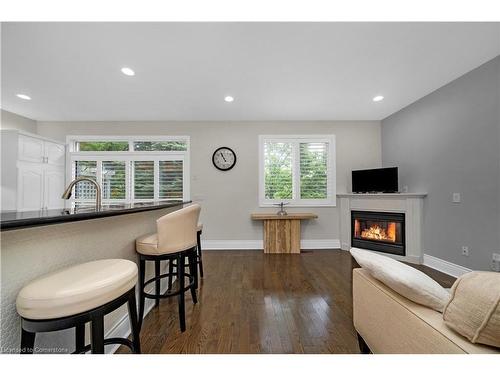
column 102, row 146
column 130, row 169
column 299, row 170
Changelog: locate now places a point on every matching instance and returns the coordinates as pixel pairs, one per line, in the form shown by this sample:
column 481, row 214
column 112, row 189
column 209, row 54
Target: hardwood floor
column 250, row 302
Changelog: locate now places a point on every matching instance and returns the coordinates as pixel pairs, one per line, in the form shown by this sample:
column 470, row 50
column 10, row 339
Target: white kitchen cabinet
column 55, row 153
column 30, row 186
column 33, row 171
column 39, row 150
column 31, row 149
column 53, row 187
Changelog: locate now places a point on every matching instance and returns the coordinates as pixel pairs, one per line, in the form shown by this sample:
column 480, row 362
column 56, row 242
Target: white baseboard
column 320, row 244
column 444, row 266
column 259, row 244
column 232, row 244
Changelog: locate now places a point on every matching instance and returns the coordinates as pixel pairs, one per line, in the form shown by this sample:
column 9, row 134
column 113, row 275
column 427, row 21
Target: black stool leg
column 200, row 261
column 157, row 282
column 97, row 335
column 27, row 342
column 170, row 272
column 142, row 297
column 193, row 271
column 180, row 280
column 80, row 339
column 134, row 324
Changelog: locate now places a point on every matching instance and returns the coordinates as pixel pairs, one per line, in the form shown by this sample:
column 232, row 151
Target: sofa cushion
column 474, row 307
column 405, row 280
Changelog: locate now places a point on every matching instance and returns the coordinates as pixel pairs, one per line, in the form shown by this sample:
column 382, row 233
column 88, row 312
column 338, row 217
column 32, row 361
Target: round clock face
column 224, row 158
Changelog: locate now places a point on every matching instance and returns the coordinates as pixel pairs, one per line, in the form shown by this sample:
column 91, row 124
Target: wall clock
column 224, row 158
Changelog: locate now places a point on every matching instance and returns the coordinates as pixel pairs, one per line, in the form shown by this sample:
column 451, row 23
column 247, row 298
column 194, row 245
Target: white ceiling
column 275, row 71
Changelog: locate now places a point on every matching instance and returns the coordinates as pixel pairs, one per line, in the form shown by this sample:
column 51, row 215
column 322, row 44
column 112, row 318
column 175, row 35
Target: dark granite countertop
column 24, row 219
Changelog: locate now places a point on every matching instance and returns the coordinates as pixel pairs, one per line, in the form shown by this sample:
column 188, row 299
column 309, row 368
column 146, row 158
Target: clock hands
column 224, row 158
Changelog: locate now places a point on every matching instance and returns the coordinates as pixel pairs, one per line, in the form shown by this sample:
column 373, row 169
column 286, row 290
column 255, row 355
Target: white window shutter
column 313, row 170
column 171, row 179
column 113, row 180
column 85, row 189
column 278, row 174
column 143, row 179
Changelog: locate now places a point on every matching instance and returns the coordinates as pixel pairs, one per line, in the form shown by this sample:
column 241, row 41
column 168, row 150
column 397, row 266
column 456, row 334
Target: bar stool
column 73, row 296
column 172, row 266
column 175, row 240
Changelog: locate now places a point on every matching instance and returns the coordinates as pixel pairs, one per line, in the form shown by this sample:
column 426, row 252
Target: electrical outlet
column 457, row 198
column 495, row 262
column 465, row 251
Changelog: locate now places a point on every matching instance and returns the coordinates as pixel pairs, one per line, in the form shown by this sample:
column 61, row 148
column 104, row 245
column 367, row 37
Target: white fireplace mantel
column 411, row 204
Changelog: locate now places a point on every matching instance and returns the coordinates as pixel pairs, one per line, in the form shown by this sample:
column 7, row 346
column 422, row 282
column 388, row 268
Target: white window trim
column 71, row 141
column 131, row 156
column 330, row 201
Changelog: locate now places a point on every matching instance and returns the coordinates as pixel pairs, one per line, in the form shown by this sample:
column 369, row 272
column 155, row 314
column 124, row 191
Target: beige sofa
column 388, row 323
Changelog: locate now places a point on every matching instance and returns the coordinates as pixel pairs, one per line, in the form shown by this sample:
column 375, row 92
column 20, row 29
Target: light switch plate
column 457, row 198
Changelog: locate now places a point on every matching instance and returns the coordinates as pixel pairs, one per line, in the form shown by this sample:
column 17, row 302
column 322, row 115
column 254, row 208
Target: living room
column 313, row 178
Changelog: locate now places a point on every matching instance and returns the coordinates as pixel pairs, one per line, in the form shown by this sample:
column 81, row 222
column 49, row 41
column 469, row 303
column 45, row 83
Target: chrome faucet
column 67, row 192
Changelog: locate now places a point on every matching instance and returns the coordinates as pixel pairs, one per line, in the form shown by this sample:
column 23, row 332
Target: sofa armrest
column 390, row 323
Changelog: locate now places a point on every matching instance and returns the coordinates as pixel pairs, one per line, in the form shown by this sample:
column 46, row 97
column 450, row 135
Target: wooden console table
column 282, row 232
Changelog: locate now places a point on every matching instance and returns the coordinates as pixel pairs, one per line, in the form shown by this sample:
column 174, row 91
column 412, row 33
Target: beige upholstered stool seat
column 76, row 289
column 199, row 227
column 147, row 244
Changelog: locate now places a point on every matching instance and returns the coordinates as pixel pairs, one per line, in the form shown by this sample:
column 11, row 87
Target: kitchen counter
column 32, row 247
column 25, row 219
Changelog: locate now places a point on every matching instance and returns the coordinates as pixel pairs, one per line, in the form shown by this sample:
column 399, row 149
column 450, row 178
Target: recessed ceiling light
column 128, row 71
column 229, row 99
column 378, row 98
column 23, row 96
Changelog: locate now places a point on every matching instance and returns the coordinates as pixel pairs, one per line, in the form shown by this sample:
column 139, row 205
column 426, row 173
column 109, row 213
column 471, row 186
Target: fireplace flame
column 376, row 232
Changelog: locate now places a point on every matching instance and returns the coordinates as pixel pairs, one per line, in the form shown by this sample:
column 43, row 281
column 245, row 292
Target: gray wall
column 449, row 141
column 228, row 198
column 13, row 121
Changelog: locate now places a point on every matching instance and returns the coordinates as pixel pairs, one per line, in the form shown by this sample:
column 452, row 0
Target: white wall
column 228, row 198
column 449, row 141
column 13, row 121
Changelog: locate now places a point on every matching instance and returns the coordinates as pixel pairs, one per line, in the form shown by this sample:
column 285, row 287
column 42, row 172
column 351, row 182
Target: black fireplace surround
column 379, row 231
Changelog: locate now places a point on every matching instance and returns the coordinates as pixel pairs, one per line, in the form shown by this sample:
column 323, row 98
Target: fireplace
column 379, row 231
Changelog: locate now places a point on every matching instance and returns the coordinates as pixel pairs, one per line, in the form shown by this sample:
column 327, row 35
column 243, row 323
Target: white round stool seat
column 76, row 289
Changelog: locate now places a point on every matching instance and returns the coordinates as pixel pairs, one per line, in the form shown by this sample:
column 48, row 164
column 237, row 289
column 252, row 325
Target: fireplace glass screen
column 380, row 231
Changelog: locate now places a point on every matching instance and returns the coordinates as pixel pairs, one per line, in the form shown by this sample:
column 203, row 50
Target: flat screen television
column 380, row 180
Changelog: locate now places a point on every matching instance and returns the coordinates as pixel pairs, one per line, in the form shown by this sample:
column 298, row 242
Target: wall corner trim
column 444, row 266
